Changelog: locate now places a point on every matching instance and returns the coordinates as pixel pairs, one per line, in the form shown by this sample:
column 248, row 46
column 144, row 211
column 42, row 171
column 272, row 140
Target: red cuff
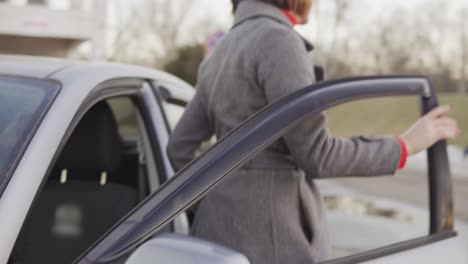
column 404, row 153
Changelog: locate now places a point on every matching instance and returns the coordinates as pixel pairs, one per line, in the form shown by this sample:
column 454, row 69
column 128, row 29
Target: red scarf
column 290, row 16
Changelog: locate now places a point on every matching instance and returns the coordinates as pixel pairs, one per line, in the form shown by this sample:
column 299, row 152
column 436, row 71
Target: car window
column 173, row 113
column 126, row 117
column 22, row 104
column 134, row 134
column 374, row 212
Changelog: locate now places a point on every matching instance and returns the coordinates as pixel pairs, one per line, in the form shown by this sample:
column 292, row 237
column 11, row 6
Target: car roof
column 31, row 66
column 63, row 70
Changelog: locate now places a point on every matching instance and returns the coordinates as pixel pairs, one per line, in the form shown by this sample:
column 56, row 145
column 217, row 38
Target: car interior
column 97, row 179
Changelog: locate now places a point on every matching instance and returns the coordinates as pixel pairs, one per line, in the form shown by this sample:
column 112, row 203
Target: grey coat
column 270, row 210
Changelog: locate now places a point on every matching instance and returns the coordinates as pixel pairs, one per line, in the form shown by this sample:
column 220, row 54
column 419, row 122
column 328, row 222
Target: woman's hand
column 429, row 129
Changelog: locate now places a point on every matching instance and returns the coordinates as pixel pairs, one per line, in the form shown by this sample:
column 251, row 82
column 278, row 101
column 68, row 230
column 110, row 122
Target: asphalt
column 409, row 187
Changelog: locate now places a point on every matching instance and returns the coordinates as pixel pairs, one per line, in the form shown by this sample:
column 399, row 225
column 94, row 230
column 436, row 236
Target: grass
column 390, row 116
column 383, row 116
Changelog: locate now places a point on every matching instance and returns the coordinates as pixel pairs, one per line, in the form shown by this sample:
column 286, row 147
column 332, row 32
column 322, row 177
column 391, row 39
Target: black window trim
column 159, row 94
column 166, row 95
column 163, row 95
column 196, row 179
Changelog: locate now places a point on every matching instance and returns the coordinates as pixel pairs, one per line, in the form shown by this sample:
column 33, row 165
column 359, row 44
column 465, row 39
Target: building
column 52, row 28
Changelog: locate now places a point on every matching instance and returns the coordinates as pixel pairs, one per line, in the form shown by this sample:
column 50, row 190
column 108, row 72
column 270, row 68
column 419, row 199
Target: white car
column 84, row 176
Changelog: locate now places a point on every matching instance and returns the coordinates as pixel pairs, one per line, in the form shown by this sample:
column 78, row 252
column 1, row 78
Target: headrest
column 95, row 144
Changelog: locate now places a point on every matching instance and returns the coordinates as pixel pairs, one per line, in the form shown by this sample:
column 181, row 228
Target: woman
column 270, row 210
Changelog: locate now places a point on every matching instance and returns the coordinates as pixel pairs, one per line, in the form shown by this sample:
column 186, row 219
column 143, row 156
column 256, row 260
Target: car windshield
column 22, row 104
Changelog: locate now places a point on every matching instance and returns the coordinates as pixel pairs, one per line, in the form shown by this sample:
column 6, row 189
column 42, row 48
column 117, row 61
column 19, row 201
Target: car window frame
column 54, row 89
column 154, row 94
column 143, row 222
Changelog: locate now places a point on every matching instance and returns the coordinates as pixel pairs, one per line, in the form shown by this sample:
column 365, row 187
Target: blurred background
column 351, row 37
column 359, row 37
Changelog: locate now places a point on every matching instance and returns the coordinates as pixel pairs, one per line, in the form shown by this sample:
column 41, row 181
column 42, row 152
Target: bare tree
column 341, row 9
column 400, row 42
column 150, row 34
column 463, row 88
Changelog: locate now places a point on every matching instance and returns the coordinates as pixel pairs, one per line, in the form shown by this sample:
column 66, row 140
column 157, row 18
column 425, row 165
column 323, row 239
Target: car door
column 194, row 181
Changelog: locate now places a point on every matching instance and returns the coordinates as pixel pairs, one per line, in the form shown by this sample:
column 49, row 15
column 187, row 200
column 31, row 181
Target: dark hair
column 296, row 5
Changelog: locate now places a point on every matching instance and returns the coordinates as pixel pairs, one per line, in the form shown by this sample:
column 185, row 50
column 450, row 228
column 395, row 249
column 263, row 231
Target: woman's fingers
column 434, row 126
column 439, row 111
column 445, row 121
column 446, row 132
column 446, row 128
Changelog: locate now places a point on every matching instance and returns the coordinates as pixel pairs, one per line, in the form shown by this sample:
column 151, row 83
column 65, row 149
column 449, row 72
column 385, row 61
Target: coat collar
column 251, row 9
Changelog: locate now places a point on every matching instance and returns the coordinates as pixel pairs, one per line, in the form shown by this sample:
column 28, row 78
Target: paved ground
column 384, row 210
column 409, row 187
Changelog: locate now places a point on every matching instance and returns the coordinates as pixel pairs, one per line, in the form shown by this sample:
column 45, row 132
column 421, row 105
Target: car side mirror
column 179, row 249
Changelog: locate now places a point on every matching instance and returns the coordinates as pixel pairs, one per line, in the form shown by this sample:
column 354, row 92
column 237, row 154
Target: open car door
column 194, row 181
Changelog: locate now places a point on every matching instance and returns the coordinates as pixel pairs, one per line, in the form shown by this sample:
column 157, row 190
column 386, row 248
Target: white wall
column 62, row 25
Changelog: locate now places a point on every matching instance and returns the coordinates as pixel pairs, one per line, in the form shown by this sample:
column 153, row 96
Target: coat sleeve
column 284, row 67
column 192, row 129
